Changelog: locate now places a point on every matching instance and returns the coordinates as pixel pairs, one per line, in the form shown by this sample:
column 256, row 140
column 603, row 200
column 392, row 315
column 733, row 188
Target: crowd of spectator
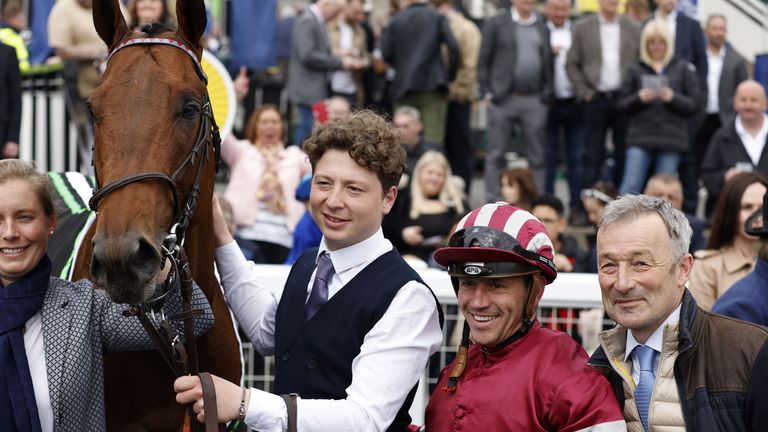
column 643, row 99
column 640, row 101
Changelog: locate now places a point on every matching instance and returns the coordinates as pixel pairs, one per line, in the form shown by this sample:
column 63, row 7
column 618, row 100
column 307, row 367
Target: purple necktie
column 319, row 294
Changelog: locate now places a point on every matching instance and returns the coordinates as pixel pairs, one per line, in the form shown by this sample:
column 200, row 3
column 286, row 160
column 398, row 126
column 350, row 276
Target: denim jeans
column 639, row 161
column 306, row 123
column 565, row 117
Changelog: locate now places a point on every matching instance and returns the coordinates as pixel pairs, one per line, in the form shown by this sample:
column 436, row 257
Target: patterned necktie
column 319, row 294
column 644, row 389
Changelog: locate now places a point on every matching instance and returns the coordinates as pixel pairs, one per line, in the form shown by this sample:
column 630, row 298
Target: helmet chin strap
column 534, row 283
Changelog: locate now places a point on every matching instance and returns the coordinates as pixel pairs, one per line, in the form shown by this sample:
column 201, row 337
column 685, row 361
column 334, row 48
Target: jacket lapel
column 57, row 320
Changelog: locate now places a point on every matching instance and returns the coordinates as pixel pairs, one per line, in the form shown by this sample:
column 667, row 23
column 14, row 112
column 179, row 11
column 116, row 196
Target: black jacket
column 720, row 371
column 10, row 95
column 411, row 44
column 659, row 125
column 724, row 151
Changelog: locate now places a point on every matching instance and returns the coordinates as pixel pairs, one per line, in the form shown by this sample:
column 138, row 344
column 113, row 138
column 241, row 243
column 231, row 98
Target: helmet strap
column 461, row 361
column 534, row 284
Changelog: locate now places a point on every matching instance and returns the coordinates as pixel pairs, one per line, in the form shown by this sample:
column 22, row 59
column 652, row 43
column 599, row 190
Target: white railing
column 569, row 292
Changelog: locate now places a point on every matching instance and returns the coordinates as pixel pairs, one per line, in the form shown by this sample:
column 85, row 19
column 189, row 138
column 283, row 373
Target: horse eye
column 190, row 111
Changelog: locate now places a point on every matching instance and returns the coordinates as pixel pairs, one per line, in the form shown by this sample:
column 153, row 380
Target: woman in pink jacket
column 264, row 178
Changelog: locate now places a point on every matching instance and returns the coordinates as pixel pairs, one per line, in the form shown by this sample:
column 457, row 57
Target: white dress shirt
column 561, row 37
column 34, row 346
column 655, row 341
column 715, row 70
column 610, row 67
column 519, row 20
column 753, row 143
column 670, row 21
column 391, row 360
column 342, row 81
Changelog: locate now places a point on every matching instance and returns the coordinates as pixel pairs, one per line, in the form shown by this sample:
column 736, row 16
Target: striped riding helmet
column 498, row 240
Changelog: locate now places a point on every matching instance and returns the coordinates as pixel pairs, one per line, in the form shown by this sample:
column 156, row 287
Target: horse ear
column 109, row 21
column 192, row 20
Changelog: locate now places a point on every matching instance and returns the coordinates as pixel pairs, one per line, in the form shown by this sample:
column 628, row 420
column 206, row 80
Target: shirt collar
column 516, row 17
column 566, row 25
column 671, row 17
column 359, row 253
column 720, row 54
column 602, row 19
column 316, row 12
column 741, row 131
column 657, row 338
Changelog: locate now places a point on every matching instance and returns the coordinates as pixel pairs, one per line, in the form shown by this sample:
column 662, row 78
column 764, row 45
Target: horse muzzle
column 125, row 267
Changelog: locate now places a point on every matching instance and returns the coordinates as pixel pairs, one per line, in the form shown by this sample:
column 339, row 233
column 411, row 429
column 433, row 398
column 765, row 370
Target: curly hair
column 371, row 141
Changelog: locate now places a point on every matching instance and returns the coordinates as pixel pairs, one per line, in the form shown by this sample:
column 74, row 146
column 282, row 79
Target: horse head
column 152, row 144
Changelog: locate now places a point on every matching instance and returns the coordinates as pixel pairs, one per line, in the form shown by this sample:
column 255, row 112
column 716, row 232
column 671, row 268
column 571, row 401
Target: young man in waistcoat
column 355, row 325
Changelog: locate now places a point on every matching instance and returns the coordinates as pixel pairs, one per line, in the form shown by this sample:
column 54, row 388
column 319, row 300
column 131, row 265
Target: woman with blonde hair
column 424, row 215
column 53, row 332
column 262, row 188
column 660, row 93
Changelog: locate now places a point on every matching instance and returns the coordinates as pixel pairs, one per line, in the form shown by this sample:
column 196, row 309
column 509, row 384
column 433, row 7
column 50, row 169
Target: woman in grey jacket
column 660, row 93
column 53, row 332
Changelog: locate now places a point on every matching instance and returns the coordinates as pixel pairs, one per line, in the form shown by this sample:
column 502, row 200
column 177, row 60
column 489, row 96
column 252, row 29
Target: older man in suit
column 603, row 47
column 726, row 70
column 311, row 61
column 10, row 102
column 515, row 73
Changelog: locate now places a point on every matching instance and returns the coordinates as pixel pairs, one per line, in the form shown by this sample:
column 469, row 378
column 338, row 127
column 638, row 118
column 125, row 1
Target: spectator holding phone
column 659, row 93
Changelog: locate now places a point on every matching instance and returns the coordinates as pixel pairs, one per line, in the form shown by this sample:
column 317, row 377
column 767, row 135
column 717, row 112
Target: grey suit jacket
column 310, row 62
column 586, row 57
column 498, row 54
column 80, row 324
column 734, row 72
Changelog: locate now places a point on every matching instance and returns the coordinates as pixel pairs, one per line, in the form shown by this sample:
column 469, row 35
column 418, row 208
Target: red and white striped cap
column 511, row 234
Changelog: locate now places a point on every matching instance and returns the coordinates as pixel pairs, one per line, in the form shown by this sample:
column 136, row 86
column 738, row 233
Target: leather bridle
column 181, row 357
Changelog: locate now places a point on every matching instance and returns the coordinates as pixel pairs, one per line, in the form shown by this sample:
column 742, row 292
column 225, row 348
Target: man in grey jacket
column 311, row 60
column 514, row 73
column 604, row 45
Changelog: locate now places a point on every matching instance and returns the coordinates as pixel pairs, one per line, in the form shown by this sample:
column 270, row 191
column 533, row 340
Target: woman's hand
column 646, row 95
column 241, row 84
column 562, row 263
column 412, row 235
column 666, row 94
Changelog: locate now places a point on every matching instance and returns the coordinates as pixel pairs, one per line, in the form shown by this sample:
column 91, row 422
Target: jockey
column 515, row 375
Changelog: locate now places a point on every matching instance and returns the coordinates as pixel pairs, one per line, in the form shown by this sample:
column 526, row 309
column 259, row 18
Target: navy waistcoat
column 314, row 359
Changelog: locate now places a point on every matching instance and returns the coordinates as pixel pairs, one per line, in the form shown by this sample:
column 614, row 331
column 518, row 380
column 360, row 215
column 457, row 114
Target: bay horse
column 152, row 143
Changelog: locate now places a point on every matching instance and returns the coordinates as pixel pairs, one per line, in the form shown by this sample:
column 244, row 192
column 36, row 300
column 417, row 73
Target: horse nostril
column 146, row 259
column 98, row 271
